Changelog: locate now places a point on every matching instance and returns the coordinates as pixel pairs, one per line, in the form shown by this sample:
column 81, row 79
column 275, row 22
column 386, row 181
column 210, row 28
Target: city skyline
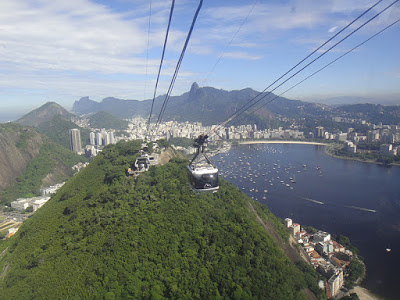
column 58, row 51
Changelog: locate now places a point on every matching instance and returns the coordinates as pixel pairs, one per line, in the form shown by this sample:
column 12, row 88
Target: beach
column 364, row 294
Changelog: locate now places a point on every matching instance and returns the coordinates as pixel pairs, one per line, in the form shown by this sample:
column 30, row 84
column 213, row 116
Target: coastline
column 327, row 150
column 282, row 142
column 369, row 161
column 364, row 294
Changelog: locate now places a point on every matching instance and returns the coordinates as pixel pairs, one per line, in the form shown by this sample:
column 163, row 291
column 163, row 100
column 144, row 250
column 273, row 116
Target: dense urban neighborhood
column 327, row 256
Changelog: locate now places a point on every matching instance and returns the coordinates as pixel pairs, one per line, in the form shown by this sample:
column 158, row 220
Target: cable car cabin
column 203, row 178
column 142, row 163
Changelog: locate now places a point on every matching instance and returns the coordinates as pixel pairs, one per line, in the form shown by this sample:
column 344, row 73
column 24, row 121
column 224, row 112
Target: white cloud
column 80, row 47
column 75, row 35
column 242, row 55
column 245, row 44
column 332, row 29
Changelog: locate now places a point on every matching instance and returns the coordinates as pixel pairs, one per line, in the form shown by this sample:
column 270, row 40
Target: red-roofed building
column 338, row 247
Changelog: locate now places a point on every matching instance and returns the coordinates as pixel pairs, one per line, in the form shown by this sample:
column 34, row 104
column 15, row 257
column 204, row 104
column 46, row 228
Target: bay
column 359, row 200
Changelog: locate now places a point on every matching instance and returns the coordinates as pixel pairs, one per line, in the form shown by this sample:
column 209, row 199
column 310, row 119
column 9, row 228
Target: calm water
column 356, row 199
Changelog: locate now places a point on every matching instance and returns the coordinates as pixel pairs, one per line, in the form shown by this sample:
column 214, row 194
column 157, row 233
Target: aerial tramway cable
column 230, row 42
column 196, row 180
column 319, row 70
column 159, row 68
column 147, row 50
column 318, row 57
column 249, row 104
column 178, row 65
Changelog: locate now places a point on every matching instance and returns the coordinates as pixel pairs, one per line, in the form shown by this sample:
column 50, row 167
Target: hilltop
column 104, row 235
column 44, row 113
column 54, row 121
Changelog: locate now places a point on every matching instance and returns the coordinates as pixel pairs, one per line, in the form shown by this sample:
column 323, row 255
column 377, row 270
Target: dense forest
column 108, row 236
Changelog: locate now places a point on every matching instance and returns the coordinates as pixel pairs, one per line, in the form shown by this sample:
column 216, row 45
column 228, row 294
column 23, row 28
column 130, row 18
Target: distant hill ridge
column 204, row 104
column 212, row 106
column 44, row 113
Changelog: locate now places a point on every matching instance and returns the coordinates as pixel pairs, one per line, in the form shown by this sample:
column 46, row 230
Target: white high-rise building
column 75, row 140
column 111, row 137
column 105, row 136
column 92, row 138
column 99, row 139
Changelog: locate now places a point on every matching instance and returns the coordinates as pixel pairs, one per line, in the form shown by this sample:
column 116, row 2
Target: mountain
column 117, row 107
column 44, row 113
column 29, row 160
column 206, row 104
column 54, row 121
column 373, row 113
column 106, row 120
column 348, row 100
column 108, row 236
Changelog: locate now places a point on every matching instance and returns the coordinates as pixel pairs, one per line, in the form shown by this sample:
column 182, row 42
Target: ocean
column 359, row 200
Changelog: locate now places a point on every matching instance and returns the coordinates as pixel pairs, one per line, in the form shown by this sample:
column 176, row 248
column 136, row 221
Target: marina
column 359, row 200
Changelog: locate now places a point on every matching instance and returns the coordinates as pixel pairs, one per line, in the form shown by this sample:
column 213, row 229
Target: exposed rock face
column 18, row 145
column 85, row 106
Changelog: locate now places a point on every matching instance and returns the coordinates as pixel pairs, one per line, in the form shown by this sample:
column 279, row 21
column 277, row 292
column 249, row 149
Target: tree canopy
column 107, row 236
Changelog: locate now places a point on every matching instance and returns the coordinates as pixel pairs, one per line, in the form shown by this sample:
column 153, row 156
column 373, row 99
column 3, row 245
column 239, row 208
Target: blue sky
column 57, row 50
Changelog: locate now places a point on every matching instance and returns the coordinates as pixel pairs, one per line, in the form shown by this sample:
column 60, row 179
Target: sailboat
column 293, row 180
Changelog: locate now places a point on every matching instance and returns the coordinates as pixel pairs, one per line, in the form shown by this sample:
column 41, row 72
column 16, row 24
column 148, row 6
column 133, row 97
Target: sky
column 57, row 50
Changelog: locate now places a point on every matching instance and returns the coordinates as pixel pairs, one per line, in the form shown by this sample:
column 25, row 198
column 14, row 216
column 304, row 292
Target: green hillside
column 105, row 236
column 106, row 120
column 18, row 146
column 57, row 129
column 53, row 162
column 29, row 160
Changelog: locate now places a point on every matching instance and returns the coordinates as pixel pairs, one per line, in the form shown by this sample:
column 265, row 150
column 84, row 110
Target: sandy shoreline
column 364, row 294
column 282, row 142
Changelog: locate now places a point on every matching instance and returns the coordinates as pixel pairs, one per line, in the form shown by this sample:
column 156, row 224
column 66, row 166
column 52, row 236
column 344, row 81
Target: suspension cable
column 228, row 45
column 159, row 68
column 147, row 50
column 319, row 70
column 240, row 111
column 167, row 96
